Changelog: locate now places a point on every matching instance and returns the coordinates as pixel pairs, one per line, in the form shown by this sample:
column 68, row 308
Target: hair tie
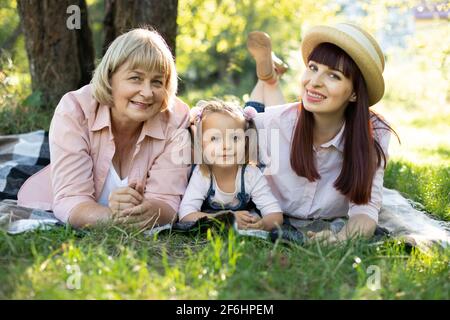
column 197, row 111
column 196, row 114
column 249, row 113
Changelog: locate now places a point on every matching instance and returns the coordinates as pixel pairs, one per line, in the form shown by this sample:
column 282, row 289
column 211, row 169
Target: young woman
column 115, row 143
column 325, row 154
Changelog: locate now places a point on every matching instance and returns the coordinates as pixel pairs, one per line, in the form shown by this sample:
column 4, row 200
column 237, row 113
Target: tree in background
column 122, row 15
column 60, row 59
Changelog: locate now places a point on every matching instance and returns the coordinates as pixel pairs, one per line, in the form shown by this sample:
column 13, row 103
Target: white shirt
column 112, row 183
column 298, row 197
column 255, row 185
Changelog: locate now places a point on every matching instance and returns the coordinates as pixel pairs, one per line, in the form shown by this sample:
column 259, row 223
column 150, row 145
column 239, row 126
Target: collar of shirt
column 337, row 141
column 152, row 127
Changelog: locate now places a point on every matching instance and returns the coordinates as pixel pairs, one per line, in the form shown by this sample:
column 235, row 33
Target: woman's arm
column 88, row 214
column 71, row 164
column 272, row 221
column 358, row 225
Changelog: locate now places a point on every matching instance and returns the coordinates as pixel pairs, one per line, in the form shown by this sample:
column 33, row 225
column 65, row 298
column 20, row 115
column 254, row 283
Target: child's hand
column 244, row 219
column 259, row 224
column 193, row 216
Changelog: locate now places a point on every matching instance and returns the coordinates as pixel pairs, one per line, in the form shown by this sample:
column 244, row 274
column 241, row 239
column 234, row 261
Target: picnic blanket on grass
column 24, row 154
column 21, row 156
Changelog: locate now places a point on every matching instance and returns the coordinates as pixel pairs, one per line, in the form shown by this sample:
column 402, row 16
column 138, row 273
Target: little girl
column 225, row 178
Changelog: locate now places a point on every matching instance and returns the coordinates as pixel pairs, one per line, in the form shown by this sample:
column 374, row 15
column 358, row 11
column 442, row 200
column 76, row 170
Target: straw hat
column 359, row 45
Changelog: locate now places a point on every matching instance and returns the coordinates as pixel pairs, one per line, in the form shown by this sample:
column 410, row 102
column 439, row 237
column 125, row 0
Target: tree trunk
column 61, row 56
column 122, row 15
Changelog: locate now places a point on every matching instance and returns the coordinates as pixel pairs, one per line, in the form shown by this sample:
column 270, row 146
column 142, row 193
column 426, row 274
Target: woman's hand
column 147, row 214
column 137, row 216
column 326, row 236
column 125, row 198
column 357, row 226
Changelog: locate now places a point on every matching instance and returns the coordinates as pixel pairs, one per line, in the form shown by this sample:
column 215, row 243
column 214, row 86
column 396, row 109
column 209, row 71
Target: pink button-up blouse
column 298, row 197
column 81, row 151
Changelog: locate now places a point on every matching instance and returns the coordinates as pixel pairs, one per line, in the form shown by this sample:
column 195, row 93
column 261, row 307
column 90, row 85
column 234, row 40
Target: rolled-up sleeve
column 168, row 176
column 372, row 208
column 71, row 164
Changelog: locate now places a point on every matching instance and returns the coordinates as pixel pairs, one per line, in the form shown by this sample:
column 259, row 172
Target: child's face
column 223, row 140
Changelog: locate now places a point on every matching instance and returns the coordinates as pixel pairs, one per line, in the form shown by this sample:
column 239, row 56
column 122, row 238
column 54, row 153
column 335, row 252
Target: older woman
column 117, row 144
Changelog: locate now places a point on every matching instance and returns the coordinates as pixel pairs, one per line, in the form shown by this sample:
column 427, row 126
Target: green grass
column 217, row 265
column 428, row 185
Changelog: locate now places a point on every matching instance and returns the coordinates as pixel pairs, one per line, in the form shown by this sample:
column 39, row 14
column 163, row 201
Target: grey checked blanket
column 21, row 156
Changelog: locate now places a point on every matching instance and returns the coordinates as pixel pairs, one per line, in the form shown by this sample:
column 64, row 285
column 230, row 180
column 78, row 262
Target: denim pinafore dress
column 245, row 201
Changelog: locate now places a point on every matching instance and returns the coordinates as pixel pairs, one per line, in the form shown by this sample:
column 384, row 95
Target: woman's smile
column 314, row 96
column 140, row 105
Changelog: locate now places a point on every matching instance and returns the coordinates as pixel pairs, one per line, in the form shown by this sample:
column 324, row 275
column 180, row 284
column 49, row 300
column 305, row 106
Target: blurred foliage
column 9, row 19
column 95, row 15
column 9, row 22
column 211, row 42
column 20, row 110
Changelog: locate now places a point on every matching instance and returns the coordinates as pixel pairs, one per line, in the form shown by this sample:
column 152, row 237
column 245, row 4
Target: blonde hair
column 233, row 110
column 141, row 48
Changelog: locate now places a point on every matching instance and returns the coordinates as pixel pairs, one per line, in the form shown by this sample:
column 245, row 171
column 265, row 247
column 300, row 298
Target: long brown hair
column 362, row 152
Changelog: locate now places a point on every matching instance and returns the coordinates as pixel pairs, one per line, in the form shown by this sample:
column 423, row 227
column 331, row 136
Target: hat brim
column 369, row 68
